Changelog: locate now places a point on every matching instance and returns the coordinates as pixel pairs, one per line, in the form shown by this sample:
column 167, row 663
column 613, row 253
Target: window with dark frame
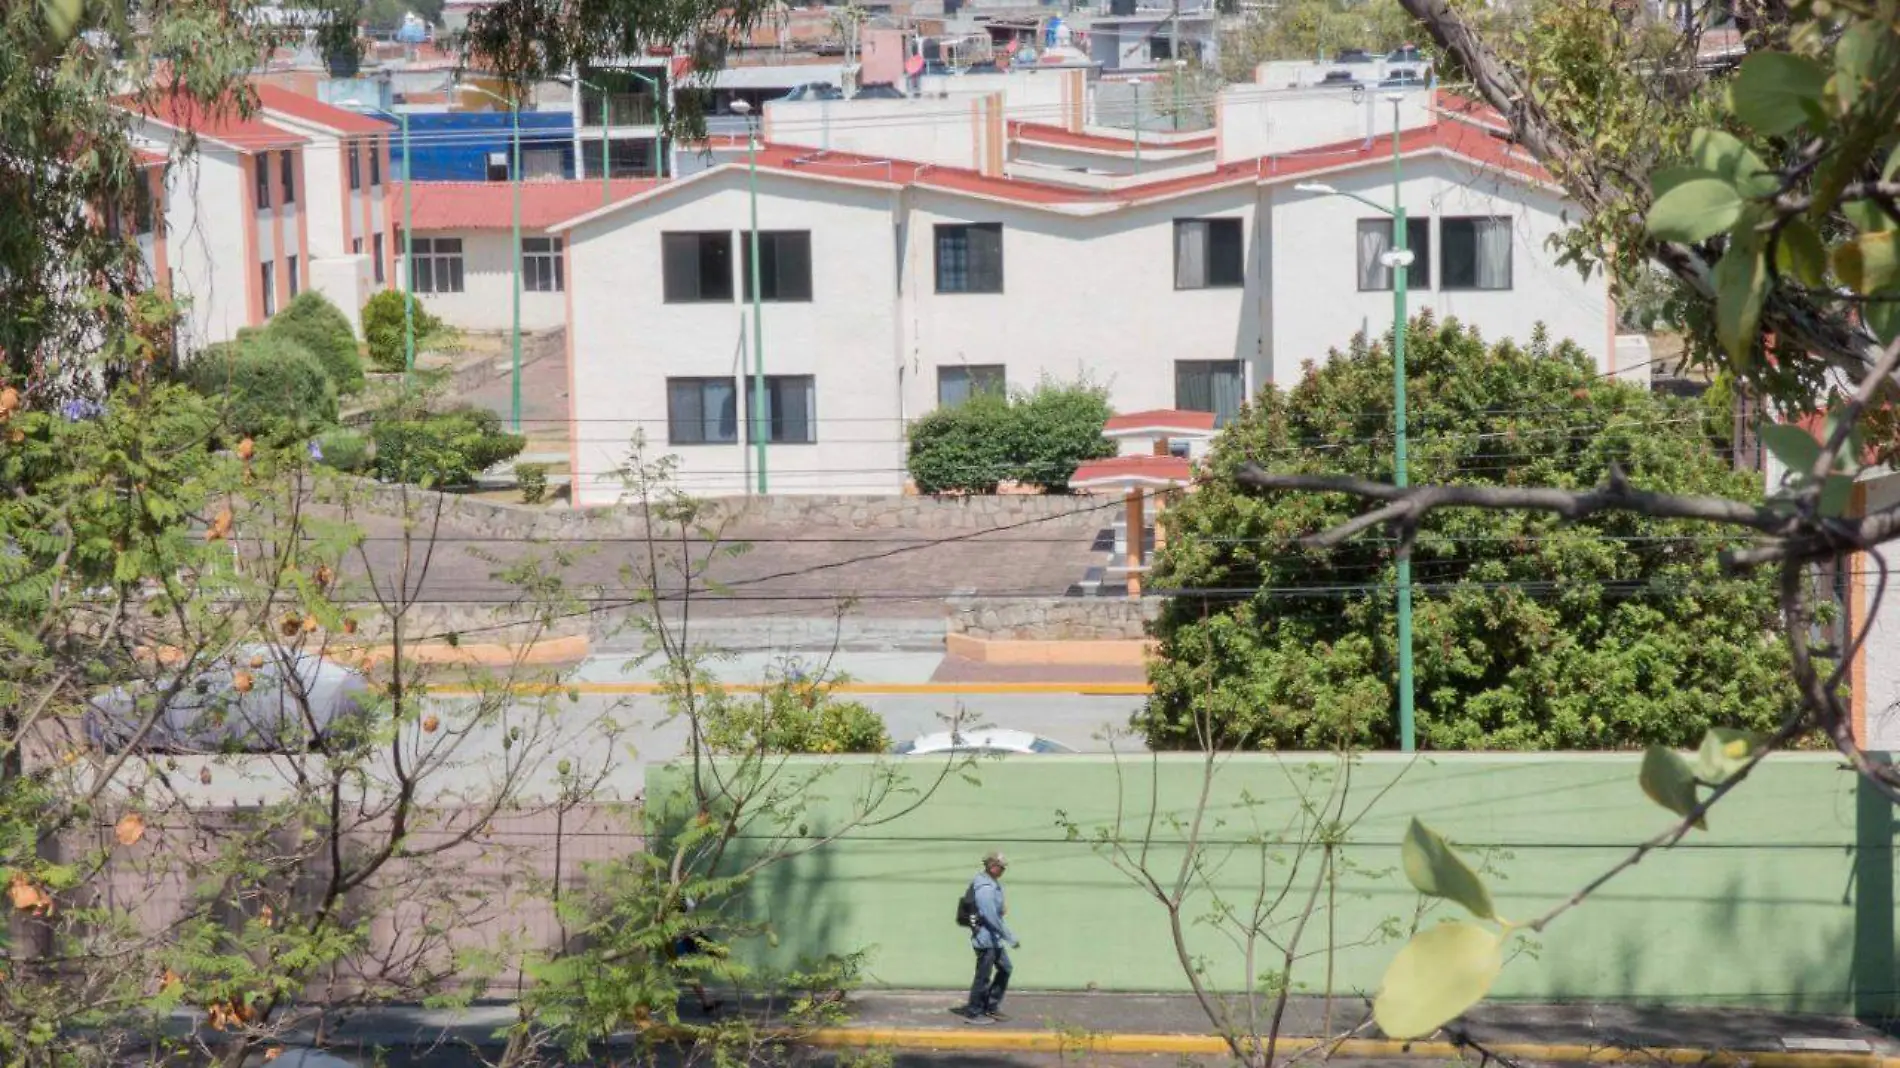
column 143, row 219
column 969, row 257
column 376, row 161
column 784, row 265
column 701, row 411
column 356, row 246
column 376, row 254
column 956, row 384
column 790, row 409
column 438, row 264
column 1374, row 240
column 287, row 172
column 1209, row 254
column 542, row 266
column 267, row 271
column 1474, row 252
column 356, row 168
column 1217, row 386
column 290, row 264
column 263, row 179
column 696, row 266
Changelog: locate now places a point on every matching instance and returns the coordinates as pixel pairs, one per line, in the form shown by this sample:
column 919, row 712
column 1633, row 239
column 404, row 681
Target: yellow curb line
column 1575, row 1053
column 1093, row 689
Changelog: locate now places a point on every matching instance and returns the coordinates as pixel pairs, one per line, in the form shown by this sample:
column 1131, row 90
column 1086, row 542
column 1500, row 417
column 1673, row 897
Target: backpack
column 967, row 916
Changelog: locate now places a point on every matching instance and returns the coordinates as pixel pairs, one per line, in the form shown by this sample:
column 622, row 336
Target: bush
column 1039, row 437
column 793, row 718
column 965, row 447
column 269, row 387
column 344, row 449
column 447, row 448
column 1056, row 429
column 384, row 332
column 317, row 325
column 533, row 480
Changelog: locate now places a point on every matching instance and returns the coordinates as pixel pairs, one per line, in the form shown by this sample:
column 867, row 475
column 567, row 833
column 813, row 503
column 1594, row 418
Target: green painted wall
column 1761, row 910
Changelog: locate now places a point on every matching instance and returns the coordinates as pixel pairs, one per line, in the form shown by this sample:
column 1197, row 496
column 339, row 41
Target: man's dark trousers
column 992, row 981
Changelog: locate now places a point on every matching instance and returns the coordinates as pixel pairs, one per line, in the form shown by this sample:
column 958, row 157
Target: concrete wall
column 1053, row 618
column 205, row 239
column 1315, row 266
column 486, row 301
column 1880, row 674
column 958, row 131
column 1765, row 909
column 1255, row 121
column 627, row 340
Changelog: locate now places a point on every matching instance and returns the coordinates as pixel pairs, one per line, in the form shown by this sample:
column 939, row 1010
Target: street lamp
column 606, row 106
column 1180, row 68
column 514, row 179
column 408, row 247
column 1398, row 260
column 606, row 121
column 759, row 429
column 659, row 102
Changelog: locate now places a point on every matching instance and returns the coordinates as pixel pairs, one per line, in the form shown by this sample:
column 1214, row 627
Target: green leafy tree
column 1036, row 438
column 1312, row 29
column 440, row 449
column 962, row 447
column 266, row 385
column 1530, row 633
column 387, row 333
column 312, row 321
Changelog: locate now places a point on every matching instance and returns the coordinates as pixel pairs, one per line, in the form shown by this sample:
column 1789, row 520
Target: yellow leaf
column 1440, row 973
column 129, row 829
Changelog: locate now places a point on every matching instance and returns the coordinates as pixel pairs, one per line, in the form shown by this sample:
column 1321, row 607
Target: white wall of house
column 1256, row 121
column 1083, row 297
column 486, row 301
column 958, row 131
column 627, row 340
column 325, row 178
column 1314, row 265
column 206, row 247
column 1881, row 675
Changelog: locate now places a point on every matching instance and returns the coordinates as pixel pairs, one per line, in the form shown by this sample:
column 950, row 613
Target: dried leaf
column 204, row 776
column 129, row 829
column 241, row 681
column 220, row 526
column 246, row 449
column 430, row 723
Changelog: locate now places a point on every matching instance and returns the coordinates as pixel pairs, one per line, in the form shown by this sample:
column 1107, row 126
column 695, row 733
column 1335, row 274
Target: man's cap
column 997, row 859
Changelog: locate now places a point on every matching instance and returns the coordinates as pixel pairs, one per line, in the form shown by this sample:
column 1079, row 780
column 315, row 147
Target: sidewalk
column 1167, row 1023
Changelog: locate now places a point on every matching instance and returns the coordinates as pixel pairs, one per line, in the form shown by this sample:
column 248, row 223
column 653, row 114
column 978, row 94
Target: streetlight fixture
column 758, row 422
column 1399, row 261
column 1180, row 69
column 408, row 246
column 606, row 122
column 514, row 179
column 606, row 106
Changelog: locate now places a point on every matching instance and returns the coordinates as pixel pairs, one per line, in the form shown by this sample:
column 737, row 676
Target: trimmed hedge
column 317, row 325
column 1037, row 438
column 384, row 331
column 441, row 449
column 267, row 386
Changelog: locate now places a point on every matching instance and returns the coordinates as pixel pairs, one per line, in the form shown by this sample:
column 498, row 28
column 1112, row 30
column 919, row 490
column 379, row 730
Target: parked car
column 250, row 701
column 1352, row 55
column 1405, row 54
column 1402, row 79
column 878, row 91
column 815, row 91
column 982, row 741
column 1339, row 79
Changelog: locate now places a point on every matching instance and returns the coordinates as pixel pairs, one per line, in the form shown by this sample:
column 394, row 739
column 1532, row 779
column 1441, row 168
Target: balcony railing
column 623, row 109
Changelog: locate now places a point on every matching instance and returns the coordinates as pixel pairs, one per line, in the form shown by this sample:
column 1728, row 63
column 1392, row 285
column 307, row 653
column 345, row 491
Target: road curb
column 1086, row 1042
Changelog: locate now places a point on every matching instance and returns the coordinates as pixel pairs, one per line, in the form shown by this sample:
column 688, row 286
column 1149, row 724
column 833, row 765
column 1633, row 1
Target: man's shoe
column 976, row 1018
column 998, row 1015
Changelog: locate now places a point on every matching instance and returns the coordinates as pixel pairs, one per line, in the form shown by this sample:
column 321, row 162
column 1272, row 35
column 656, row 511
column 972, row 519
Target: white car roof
column 1004, row 739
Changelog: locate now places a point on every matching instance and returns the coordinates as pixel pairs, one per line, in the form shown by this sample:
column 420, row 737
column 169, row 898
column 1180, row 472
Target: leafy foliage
column 267, row 386
column 446, row 448
column 1038, row 438
column 533, row 480
column 387, row 333
column 1312, row 29
column 343, row 448
column 1530, row 634
column 312, row 321
column 792, row 716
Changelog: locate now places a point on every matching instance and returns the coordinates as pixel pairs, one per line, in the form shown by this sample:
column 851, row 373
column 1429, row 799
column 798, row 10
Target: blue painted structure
column 454, row 146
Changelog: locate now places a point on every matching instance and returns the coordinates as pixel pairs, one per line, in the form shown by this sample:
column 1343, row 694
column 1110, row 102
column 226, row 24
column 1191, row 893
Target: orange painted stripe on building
column 301, row 175
column 253, row 282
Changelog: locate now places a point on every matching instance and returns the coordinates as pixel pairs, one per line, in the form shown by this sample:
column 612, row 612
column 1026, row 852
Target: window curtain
column 1224, row 386
column 1190, row 255
column 1375, row 240
column 1494, row 253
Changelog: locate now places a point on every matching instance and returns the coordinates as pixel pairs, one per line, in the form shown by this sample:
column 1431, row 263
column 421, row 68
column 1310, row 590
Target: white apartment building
column 891, row 287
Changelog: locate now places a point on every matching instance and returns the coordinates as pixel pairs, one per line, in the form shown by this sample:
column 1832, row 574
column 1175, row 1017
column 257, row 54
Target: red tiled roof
column 317, row 113
column 219, row 122
column 1048, row 134
column 490, row 205
column 1129, row 471
column 1160, row 420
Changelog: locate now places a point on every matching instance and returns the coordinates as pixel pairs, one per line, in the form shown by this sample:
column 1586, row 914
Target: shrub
column 447, row 448
column 344, row 449
column 965, row 447
column 384, row 332
column 1055, row 429
column 268, row 387
column 533, row 480
column 793, row 718
column 1039, row 437
column 317, row 325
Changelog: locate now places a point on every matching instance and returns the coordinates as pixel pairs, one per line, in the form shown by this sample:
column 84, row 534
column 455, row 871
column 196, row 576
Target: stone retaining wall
column 821, row 511
column 1054, row 618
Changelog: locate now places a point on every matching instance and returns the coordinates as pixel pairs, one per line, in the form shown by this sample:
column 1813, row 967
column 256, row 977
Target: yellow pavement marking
column 1098, row 689
column 1576, row 1053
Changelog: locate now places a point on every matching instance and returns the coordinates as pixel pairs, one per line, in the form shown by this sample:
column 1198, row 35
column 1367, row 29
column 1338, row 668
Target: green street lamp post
column 408, row 248
column 1399, row 261
column 758, row 421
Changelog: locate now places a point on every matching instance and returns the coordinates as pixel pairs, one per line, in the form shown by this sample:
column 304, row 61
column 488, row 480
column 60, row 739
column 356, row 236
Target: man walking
column 988, row 935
